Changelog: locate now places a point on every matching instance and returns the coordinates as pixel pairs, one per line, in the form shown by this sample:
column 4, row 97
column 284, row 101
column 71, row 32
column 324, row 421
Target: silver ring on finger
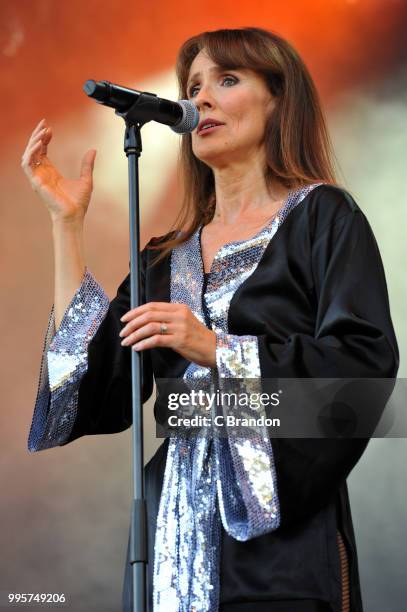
column 163, row 328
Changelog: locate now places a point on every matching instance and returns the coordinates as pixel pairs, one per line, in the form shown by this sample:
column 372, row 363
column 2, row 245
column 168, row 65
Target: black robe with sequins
column 318, row 303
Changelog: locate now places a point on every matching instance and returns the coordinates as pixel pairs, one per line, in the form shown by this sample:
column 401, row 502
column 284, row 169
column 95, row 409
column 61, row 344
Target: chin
column 213, row 156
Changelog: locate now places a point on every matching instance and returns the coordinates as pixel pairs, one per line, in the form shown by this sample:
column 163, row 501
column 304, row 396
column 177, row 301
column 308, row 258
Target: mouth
column 207, row 126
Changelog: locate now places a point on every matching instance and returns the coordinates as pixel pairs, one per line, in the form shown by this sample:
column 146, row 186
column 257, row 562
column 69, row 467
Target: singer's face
column 239, row 101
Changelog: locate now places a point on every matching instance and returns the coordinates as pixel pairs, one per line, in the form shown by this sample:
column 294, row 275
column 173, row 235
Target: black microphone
column 181, row 116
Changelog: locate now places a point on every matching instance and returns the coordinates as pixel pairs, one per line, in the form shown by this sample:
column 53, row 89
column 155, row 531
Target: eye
column 229, row 80
column 191, row 91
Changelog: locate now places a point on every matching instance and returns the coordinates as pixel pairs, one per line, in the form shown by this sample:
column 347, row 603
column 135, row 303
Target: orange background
column 64, row 512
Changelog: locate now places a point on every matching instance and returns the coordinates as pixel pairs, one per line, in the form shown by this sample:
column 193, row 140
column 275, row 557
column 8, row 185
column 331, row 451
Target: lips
column 206, row 124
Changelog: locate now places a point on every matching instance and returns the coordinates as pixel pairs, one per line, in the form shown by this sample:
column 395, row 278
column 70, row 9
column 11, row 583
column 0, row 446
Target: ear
column 270, row 103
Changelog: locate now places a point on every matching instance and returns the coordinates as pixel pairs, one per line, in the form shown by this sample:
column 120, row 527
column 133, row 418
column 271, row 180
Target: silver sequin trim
column 63, row 364
column 237, row 472
column 237, row 356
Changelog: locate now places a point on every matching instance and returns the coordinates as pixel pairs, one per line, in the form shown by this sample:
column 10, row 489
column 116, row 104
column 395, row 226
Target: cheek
column 235, row 106
column 246, row 114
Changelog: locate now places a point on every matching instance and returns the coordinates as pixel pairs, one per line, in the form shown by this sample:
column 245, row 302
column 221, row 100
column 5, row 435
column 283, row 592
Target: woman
column 277, row 275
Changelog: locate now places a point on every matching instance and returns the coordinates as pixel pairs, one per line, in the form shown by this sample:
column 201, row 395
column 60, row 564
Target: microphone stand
column 138, row 554
column 144, row 109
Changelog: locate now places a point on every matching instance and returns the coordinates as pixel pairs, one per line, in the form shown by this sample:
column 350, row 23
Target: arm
column 85, row 379
column 85, row 373
column 63, row 364
column 354, row 338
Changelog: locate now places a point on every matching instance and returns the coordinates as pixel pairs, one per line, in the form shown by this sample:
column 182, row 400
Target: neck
column 242, row 193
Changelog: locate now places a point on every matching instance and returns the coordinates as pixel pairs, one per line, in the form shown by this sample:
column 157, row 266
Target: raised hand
column 65, row 199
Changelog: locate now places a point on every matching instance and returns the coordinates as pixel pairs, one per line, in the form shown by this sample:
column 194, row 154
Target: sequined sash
column 203, row 475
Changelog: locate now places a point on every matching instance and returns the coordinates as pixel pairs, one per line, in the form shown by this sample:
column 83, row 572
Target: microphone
column 181, row 116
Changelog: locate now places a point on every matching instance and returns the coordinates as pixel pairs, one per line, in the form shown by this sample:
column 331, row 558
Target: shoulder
column 328, row 204
column 151, row 253
column 157, row 240
column 153, row 246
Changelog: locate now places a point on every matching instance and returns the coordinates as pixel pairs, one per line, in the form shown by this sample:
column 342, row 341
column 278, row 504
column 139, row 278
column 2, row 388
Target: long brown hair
column 297, row 143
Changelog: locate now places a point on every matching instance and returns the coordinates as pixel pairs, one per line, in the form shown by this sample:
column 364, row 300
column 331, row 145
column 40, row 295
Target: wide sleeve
column 353, row 338
column 354, row 335
column 85, row 376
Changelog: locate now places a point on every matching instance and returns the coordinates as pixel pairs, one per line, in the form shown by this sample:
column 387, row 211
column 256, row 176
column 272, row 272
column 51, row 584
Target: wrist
column 74, row 224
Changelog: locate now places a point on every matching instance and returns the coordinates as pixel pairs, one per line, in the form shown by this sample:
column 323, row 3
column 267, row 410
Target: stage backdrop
column 64, row 512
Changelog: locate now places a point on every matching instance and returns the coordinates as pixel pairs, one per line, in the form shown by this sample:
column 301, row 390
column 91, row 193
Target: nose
column 204, row 98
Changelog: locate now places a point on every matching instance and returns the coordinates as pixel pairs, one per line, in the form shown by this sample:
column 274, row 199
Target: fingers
column 183, row 332
column 44, row 136
column 144, row 329
column 148, row 318
column 158, row 340
column 88, row 162
column 36, row 148
column 168, row 307
column 28, row 160
column 38, row 128
column 41, row 132
column 144, row 333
